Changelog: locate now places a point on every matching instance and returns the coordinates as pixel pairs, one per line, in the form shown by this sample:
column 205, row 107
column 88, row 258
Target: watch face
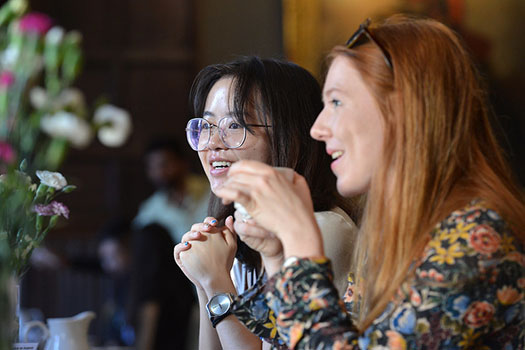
column 219, row 304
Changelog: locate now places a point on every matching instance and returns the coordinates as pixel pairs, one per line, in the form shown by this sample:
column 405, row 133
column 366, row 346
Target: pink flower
column 7, row 153
column 53, row 208
column 7, row 78
column 485, row 240
column 478, row 314
column 35, row 23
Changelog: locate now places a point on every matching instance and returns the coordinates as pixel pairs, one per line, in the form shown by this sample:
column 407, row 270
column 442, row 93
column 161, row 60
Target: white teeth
column 221, row 164
column 337, row 154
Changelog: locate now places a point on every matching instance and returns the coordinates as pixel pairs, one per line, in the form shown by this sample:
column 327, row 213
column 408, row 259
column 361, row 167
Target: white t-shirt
column 339, row 233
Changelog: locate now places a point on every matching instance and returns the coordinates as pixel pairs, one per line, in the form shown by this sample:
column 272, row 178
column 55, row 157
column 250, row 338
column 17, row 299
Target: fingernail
column 186, row 243
column 214, row 221
column 206, row 226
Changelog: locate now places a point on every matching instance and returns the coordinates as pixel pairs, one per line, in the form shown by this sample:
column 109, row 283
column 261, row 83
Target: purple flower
column 53, row 208
column 7, row 153
column 7, row 78
column 35, row 23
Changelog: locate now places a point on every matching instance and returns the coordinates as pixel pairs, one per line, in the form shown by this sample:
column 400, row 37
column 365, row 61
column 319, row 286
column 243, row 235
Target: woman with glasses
column 439, row 260
column 262, row 110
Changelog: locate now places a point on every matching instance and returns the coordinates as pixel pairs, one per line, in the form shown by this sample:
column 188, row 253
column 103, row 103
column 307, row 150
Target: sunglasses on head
column 363, row 33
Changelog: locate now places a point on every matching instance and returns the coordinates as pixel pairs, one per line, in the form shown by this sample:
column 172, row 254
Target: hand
column 209, row 260
column 261, row 240
column 208, row 225
column 276, row 204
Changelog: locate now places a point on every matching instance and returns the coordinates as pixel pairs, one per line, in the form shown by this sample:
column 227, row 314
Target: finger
column 248, row 167
column 191, row 236
column 230, row 237
column 247, row 229
column 231, row 193
column 210, row 220
column 201, row 226
column 229, row 223
column 178, row 249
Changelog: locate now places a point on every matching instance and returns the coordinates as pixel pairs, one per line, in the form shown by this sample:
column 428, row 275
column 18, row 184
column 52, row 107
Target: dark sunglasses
column 355, row 41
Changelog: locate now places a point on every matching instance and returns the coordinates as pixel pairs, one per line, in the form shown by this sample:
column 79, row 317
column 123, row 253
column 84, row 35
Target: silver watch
column 219, row 307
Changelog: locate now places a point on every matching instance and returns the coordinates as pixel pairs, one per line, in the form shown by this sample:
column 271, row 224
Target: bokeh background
column 143, row 55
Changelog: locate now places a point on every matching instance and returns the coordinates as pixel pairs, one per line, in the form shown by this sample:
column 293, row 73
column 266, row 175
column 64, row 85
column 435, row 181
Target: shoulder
column 335, row 221
column 471, row 243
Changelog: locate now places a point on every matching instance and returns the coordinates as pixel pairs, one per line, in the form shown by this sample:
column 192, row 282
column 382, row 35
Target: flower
column 53, row 208
column 478, row 314
column 68, row 126
column 485, row 240
column 55, row 35
column 115, row 125
column 508, row 295
column 52, row 179
column 7, row 153
column 35, row 23
column 404, row 319
column 71, row 98
column 456, row 305
column 447, row 255
column 10, row 56
column 38, row 97
column 396, row 341
column 7, row 78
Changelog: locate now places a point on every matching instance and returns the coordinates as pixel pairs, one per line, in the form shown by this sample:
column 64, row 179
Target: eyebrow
column 334, row 89
column 211, row 114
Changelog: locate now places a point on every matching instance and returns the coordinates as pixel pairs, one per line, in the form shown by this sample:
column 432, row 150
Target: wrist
column 309, row 245
column 272, row 264
column 218, row 285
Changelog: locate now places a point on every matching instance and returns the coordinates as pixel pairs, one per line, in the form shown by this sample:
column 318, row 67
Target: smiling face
column 351, row 126
column 217, row 158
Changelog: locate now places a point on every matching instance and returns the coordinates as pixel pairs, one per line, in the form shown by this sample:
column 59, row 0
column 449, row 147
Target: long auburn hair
column 287, row 97
column 440, row 152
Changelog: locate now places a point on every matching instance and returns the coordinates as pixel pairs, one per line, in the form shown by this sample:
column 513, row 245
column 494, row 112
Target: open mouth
column 221, row 165
column 337, row 154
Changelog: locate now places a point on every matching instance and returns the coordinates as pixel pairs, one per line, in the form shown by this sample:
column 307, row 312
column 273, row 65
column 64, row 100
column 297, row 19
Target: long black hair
column 287, row 97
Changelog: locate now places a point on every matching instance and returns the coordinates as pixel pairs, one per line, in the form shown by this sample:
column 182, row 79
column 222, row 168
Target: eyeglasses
column 363, row 29
column 231, row 132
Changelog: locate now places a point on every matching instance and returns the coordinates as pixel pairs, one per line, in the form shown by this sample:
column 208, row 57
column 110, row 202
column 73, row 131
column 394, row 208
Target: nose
column 215, row 141
column 320, row 131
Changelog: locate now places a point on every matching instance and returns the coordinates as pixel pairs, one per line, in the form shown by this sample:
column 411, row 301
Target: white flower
column 52, row 179
column 115, row 125
column 67, row 125
column 71, row 97
column 54, row 35
column 38, row 97
column 18, row 6
column 10, row 56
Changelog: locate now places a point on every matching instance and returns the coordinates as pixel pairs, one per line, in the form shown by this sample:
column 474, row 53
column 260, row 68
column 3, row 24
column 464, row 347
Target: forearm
column 208, row 337
column 231, row 333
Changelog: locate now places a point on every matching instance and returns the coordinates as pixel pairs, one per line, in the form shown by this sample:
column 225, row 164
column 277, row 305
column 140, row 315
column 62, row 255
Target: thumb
column 229, row 235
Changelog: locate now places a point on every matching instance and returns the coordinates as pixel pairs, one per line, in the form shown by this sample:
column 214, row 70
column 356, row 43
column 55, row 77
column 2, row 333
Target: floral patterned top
column 468, row 292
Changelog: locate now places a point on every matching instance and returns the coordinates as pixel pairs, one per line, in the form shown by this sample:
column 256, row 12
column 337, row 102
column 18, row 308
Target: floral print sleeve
column 467, row 292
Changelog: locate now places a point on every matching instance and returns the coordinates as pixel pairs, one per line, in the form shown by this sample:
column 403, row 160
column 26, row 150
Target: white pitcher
column 69, row 333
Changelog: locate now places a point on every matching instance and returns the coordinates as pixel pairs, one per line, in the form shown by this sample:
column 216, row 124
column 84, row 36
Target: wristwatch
column 219, row 307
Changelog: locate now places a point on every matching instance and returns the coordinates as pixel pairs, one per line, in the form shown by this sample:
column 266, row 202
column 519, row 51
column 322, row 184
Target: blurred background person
column 180, row 199
column 114, row 252
column 162, row 298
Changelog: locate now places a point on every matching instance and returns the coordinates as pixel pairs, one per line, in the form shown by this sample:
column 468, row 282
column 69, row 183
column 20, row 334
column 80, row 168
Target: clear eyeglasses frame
column 231, row 133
